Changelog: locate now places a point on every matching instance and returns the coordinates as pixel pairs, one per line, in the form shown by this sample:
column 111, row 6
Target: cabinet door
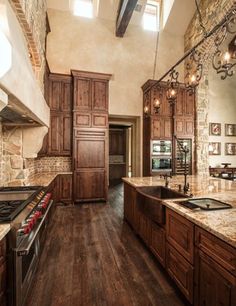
column 55, row 134
column 181, row 271
column 180, row 233
column 66, row 133
column 54, row 94
column 215, row 286
column 190, row 104
column 158, row 242
column 156, row 128
column 82, row 94
column 144, row 228
column 66, row 97
column 161, row 128
column 90, row 185
column 100, row 95
column 66, row 188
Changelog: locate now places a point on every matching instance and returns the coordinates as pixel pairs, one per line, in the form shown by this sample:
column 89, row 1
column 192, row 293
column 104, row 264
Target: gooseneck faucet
column 185, row 150
column 165, row 176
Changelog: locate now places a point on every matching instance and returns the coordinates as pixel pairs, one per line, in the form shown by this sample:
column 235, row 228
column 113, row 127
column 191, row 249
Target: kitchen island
column 197, row 248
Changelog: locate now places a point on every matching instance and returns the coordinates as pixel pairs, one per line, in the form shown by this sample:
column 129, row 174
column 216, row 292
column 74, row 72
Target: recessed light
column 23, row 115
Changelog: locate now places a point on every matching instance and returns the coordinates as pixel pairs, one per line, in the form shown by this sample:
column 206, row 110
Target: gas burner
column 19, row 188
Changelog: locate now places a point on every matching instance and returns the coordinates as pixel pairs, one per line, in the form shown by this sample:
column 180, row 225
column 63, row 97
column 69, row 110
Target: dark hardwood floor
column 92, row 257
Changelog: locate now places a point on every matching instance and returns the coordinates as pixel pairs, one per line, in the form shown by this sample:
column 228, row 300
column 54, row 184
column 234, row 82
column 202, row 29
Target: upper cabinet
column 58, row 94
column 90, row 91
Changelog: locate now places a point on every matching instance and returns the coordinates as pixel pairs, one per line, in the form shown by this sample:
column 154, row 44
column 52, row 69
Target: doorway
column 124, row 148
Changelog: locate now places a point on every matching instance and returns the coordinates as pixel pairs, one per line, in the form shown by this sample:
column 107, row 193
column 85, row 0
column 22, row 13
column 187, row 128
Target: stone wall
column 212, row 12
column 32, row 18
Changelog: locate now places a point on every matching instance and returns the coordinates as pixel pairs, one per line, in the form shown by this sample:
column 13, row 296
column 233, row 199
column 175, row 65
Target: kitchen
column 64, row 79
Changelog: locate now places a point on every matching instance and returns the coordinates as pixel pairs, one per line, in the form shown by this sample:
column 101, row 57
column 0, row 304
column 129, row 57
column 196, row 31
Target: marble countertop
column 39, row 179
column 221, row 223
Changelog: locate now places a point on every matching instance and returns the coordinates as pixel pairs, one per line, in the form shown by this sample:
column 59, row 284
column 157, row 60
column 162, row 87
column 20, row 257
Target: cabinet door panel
column 156, row 128
column 189, row 128
column 54, row 138
column 180, row 233
column 189, row 108
column 54, row 94
column 167, row 128
column 100, row 95
column 99, row 120
column 82, row 94
column 90, row 153
column 215, row 286
column 90, row 185
column 66, row 134
column 181, row 271
column 158, row 244
column 66, row 188
column 66, row 97
column 82, row 120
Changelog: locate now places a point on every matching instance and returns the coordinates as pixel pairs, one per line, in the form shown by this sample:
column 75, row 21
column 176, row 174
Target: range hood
column 26, row 104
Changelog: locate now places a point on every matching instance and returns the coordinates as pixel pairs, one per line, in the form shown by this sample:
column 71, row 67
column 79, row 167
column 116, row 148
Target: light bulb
column 145, row 109
column 172, row 92
column 156, row 103
column 226, row 58
column 193, row 79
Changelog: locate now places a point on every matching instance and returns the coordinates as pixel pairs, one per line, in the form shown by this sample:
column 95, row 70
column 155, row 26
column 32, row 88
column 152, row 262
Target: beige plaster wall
column 91, row 44
column 222, row 109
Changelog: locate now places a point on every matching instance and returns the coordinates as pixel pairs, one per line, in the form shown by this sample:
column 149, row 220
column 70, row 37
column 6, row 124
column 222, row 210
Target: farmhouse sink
column 160, row 192
column 150, row 201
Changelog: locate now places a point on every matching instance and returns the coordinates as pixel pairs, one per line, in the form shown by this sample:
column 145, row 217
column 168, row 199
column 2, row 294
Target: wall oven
column 161, row 147
column 161, row 164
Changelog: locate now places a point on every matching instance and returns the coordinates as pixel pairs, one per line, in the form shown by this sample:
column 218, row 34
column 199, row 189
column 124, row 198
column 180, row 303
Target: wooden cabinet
column 158, row 243
column 90, row 139
column 3, row 268
column 59, row 96
column 215, row 285
column 215, row 275
column 131, row 213
column 180, row 234
column 180, row 270
column 65, row 188
column 144, row 228
column 170, row 120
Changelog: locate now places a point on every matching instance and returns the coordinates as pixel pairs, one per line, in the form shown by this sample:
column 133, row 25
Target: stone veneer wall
column 212, row 12
column 45, row 164
column 32, row 18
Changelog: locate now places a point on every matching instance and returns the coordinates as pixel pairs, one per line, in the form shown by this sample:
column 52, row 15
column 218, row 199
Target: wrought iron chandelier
column 223, row 62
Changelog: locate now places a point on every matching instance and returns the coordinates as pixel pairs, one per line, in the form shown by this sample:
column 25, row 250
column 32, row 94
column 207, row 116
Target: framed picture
column 214, row 148
column 215, row 129
column 230, row 149
column 230, row 129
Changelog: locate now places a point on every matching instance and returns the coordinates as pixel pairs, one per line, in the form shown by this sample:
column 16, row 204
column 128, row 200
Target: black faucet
column 185, row 150
column 165, row 176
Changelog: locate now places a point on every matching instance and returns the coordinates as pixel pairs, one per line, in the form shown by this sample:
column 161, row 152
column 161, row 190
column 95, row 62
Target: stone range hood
column 24, row 95
column 20, row 82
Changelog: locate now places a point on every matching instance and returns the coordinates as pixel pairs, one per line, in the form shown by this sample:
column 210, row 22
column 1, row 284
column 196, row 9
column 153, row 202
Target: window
column 151, row 16
column 83, row 8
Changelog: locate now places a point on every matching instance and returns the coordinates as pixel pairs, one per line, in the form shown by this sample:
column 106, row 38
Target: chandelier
column 223, row 61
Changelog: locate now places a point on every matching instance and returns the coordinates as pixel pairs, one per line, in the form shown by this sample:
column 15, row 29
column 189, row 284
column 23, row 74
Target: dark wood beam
column 125, row 12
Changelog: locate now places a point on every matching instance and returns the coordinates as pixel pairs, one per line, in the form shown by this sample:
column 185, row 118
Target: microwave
column 161, row 147
column 161, row 163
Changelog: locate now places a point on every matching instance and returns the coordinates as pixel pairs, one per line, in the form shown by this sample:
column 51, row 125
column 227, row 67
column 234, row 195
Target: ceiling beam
column 124, row 15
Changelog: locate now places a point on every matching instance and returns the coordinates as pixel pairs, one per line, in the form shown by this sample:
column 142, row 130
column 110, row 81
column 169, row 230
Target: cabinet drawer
column 180, row 270
column 220, row 251
column 158, row 243
column 99, row 120
column 180, row 233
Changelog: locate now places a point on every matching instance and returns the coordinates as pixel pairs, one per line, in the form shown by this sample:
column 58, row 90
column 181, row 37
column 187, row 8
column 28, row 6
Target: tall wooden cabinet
column 177, row 119
column 58, row 93
column 90, row 136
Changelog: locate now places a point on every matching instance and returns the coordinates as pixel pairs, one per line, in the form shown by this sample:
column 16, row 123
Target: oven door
column 161, row 147
column 161, row 164
column 25, row 264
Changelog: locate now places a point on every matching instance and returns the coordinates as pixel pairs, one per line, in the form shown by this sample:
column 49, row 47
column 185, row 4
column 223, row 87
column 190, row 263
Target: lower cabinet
column 215, row 285
column 202, row 265
column 158, row 243
column 3, row 276
column 65, row 188
column 180, row 270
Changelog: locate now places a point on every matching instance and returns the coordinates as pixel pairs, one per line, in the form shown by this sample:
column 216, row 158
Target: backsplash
column 45, row 164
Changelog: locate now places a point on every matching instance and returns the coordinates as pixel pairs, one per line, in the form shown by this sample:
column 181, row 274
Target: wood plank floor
column 92, row 257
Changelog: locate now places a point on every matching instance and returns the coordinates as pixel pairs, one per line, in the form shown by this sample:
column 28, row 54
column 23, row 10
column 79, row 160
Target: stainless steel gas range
column 28, row 209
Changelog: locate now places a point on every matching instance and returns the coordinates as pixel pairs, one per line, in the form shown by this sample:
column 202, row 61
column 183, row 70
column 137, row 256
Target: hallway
column 92, row 257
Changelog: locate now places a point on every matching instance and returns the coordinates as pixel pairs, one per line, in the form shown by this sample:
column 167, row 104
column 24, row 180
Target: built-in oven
column 161, row 147
column 161, row 164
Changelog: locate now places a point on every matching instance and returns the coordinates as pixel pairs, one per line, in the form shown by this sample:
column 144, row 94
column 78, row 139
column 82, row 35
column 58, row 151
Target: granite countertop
column 221, row 223
column 39, row 179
